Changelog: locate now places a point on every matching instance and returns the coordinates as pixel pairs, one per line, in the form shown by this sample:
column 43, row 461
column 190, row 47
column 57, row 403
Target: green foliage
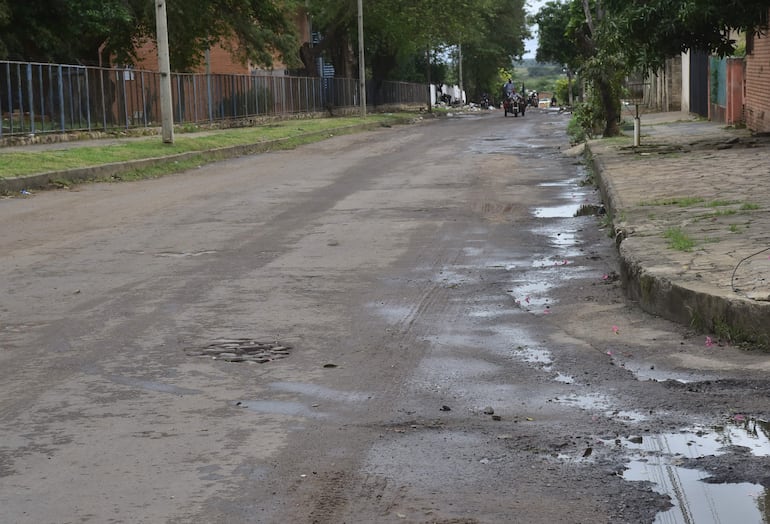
column 555, row 45
column 77, row 31
column 400, row 33
column 543, row 70
column 561, row 90
column 650, row 31
column 586, row 119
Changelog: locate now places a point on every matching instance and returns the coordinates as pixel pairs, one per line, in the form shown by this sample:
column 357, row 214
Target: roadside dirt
column 457, row 348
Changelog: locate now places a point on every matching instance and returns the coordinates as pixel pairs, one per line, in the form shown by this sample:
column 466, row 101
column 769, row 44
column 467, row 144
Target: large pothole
column 242, row 350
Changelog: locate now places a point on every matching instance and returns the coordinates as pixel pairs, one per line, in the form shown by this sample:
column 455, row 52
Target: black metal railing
column 40, row 98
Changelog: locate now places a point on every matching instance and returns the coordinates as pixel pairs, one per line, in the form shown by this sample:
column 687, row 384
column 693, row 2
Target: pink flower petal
column 605, row 276
column 615, row 329
column 709, row 342
column 739, row 418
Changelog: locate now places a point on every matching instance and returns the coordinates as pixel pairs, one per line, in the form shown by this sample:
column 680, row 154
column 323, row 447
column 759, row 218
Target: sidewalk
column 691, row 212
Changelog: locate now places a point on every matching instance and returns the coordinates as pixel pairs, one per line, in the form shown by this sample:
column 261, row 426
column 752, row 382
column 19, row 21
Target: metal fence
column 52, row 98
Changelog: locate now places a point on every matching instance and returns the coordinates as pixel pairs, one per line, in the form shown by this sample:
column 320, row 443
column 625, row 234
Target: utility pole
column 361, row 68
column 164, row 64
column 460, row 60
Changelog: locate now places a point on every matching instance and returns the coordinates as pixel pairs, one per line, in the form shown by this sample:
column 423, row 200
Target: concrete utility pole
column 361, row 68
column 460, row 60
column 164, row 64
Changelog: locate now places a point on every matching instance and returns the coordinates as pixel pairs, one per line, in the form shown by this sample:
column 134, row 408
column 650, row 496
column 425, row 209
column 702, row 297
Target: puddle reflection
column 564, row 211
column 695, row 501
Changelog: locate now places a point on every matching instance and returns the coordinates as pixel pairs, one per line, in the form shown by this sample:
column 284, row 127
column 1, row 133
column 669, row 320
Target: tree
column 611, row 38
column 577, row 35
column 650, row 31
column 402, row 34
column 80, row 30
column 555, row 46
column 498, row 43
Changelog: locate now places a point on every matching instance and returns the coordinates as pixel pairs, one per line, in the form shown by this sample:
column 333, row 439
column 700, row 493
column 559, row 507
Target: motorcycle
column 485, row 101
column 514, row 105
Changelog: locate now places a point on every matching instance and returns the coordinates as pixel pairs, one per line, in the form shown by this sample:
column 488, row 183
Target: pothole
column 242, row 350
column 668, row 461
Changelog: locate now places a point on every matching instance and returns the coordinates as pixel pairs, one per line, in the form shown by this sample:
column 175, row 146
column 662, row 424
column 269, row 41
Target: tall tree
column 577, row 34
column 650, row 31
column 495, row 45
column 79, row 30
column 615, row 37
column 402, row 33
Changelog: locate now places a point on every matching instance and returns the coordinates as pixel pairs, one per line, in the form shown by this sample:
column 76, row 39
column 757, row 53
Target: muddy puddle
column 659, row 459
column 562, row 211
column 645, row 371
column 601, row 405
column 571, row 210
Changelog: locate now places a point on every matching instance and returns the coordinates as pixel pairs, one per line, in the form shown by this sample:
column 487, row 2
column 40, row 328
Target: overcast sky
column 530, row 46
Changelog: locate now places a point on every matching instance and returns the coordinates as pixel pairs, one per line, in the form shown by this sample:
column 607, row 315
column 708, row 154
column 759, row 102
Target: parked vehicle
column 484, row 101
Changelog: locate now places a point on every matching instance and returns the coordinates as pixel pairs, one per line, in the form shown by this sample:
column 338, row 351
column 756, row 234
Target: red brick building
column 219, row 59
column 757, row 83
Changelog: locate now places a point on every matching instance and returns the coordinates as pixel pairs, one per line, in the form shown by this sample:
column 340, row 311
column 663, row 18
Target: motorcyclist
column 509, row 90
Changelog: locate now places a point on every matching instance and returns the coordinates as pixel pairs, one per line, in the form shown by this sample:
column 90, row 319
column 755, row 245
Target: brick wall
column 757, row 109
column 220, row 60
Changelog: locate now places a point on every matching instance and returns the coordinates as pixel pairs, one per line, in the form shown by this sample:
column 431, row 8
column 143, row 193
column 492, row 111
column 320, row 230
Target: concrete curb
column 734, row 318
column 104, row 171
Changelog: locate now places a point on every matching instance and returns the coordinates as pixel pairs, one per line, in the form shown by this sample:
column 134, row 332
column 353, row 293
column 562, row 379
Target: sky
column 530, row 45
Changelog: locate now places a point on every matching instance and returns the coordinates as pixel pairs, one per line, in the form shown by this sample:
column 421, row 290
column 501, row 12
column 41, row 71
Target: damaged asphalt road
column 417, row 324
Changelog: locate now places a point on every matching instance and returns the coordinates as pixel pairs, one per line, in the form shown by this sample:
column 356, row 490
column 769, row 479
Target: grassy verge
column 292, row 132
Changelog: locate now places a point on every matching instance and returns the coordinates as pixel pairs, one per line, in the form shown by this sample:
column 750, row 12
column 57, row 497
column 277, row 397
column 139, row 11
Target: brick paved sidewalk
column 691, row 208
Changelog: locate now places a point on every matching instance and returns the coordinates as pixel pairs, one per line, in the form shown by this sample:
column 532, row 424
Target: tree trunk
column 611, row 107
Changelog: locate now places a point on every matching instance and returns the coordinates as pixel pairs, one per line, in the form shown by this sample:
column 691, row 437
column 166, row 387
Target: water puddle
column 563, row 211
column 644, row 371
column 529, row 295
column 659, row 458
column 492, row 312
column 563, row 238
column 572, row 182
column 570, row 211
column 550, row 262
column 564, row 379
column 601, row 404
column 321, row 392
column 278, row 407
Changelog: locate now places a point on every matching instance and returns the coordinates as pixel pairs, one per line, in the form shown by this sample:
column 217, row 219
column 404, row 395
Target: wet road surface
column 420, row 324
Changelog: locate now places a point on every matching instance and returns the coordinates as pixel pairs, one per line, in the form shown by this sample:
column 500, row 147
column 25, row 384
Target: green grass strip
column 43, row 161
